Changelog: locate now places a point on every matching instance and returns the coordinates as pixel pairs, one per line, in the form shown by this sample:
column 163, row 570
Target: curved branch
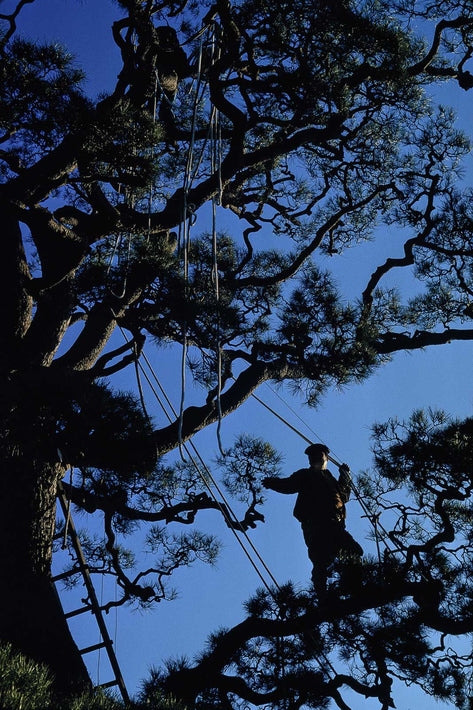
column 302, row 257
column 408, row 258
column 36, row 183
column 131, row 588
column 101, row 368
column 11, row 19
column 90, row 502
column 425, row 63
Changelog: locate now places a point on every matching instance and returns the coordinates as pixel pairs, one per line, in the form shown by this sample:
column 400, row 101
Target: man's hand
column 344, row 469
column 267, row 482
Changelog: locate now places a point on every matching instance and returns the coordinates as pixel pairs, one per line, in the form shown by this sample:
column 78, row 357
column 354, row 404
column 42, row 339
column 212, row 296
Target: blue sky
column 210, row 598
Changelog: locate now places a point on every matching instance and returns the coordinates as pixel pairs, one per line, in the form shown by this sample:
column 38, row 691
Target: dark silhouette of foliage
column 28, row 685
column 405, row 616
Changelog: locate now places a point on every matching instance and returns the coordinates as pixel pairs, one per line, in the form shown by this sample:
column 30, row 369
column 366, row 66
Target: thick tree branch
column 393, row 342
column 52, row 171
column 206, row 673
column 196, row 418
column 50, row 322
column 183, row 512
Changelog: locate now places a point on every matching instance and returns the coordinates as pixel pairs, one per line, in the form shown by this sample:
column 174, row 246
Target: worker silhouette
column 320, row 508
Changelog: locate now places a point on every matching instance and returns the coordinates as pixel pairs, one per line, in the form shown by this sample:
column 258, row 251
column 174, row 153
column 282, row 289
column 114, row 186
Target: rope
column 115, row 634
column 376, row 535
column 192, row 167
column 216, row 166
column 184, row 243
column 118, row 250
column 227, row 506
column 209, row 474
column 373, row 519
column 194, row 462
column 183, row 392
column 114, row 251
column 224, row 507
column 138, row 382
column 151, row 186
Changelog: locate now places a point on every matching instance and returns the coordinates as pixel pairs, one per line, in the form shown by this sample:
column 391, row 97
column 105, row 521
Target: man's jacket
column 321, row 498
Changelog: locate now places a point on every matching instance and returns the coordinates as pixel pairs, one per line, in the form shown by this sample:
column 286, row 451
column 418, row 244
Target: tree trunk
column 31, row 617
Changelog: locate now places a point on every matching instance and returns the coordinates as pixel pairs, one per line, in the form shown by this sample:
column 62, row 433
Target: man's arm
column 283, row 485
column 344, row 482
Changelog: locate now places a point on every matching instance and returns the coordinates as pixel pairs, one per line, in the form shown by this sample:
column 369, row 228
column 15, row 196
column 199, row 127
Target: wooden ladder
column 93, row 603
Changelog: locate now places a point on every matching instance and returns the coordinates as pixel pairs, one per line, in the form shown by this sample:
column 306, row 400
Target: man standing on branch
column 320, row 508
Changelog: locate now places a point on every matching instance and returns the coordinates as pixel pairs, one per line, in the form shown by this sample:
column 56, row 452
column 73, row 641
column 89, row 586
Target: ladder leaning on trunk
column 92, row 604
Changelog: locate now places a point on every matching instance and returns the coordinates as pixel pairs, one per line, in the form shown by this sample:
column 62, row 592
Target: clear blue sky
column 211, row 598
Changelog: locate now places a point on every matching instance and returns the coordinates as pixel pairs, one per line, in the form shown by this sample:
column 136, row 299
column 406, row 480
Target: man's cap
column 316, row 449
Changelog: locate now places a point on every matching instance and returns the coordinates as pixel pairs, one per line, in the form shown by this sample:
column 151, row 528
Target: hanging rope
column 115, row 631
column 151, row 186
column 216, row 168
column 371, row 517
column 117, row 250
column 138, row 382
column 375, row 521
column 184, row 242
column 192, row 167
column 226, row 506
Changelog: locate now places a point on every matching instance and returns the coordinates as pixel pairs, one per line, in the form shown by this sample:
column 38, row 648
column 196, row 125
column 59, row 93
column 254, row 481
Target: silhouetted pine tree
column 324, row 131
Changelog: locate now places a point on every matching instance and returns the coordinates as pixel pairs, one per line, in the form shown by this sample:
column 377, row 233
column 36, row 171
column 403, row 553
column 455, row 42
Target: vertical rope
column 374, row 521
column 114, row 251
column 216, row 168
column 215, row 279
column 138, row 382
column 225, row 507
column 151, row 186
column 186, row 244
column 117, row 250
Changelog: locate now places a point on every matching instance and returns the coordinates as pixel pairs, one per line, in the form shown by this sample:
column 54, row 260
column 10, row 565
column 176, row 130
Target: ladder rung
column 95, row 647
column 76, row 612
column 91, row 600
column 65, row 575
column 110, row 684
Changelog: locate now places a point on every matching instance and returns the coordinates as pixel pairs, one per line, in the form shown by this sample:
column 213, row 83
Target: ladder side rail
column 96, row 610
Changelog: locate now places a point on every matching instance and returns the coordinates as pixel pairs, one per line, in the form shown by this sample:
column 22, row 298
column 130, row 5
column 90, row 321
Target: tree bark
column 16, row 304
column 31, row 617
